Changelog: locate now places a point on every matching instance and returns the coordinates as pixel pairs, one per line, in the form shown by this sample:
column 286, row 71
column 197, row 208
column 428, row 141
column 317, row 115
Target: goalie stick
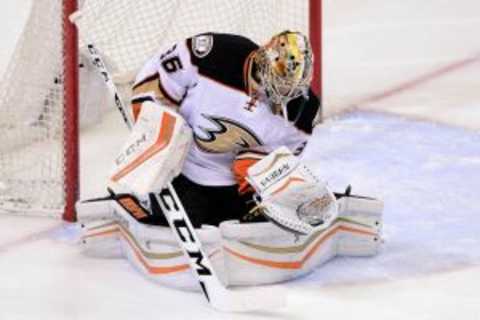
column 219, row 297
column 98, row 62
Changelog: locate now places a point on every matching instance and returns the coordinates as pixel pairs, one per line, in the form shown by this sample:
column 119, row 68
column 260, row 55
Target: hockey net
column 32, row 93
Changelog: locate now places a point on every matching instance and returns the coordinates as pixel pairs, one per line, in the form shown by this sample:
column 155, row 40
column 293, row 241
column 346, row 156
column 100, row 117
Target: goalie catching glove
column 290, row 195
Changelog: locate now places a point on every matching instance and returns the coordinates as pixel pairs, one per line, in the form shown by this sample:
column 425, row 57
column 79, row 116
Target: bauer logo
column 202, row 45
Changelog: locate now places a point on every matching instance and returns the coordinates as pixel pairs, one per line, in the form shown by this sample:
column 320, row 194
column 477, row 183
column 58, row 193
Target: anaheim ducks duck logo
column 227, row 136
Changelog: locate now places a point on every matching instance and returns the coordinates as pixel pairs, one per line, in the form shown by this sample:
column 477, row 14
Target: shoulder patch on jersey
column 221, row 57
column 202, row 45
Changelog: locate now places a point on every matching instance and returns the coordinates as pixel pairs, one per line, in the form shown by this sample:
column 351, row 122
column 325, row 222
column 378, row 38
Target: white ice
column 427, row 173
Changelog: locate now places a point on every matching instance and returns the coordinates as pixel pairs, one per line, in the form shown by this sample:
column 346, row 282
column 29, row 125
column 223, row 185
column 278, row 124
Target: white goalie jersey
column 205, row 79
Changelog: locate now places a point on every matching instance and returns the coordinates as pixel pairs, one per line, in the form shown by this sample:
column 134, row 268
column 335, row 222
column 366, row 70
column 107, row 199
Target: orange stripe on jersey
column 239, row 168
column 163, row 139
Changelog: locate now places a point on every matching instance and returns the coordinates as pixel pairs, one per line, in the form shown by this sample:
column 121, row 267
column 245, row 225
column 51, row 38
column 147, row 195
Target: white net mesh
column 31, row 102
column 126, row 33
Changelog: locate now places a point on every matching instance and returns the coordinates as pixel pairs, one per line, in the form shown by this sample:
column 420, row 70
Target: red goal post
column 71, row 110
column 39, row 163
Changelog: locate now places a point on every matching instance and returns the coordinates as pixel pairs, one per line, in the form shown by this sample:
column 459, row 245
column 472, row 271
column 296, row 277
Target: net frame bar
column 315, row 30
column 71, row 111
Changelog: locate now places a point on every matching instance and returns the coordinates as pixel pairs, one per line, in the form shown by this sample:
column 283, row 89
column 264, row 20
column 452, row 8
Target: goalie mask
column 283, row 70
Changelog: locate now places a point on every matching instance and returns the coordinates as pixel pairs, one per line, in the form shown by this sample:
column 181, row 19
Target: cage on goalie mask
column 284, row 68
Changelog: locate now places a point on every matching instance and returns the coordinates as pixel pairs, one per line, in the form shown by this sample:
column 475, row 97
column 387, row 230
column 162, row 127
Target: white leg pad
column 360, row 211
column 245, row 253
column 260, row 253
column 101, row 239
column 152, row 250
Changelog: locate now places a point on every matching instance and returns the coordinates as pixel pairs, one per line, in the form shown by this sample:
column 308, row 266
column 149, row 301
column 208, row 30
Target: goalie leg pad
column 155, row 253
column 152, row 250
column 261, row 253
column 366, row 213
column 101, row 239
column 242, row 253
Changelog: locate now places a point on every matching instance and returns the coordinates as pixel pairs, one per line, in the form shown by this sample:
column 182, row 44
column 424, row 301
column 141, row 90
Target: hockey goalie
column 224, row 122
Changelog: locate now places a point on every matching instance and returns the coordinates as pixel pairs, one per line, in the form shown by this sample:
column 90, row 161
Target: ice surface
column 427, row 174
column 429, row 178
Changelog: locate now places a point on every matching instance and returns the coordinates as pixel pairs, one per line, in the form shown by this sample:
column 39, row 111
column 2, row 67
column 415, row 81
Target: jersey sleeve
column 165, row 78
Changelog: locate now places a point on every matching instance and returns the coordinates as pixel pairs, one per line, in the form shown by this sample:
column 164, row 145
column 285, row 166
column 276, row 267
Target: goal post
column 315, row 33
column 46, row 96
column 71, row 110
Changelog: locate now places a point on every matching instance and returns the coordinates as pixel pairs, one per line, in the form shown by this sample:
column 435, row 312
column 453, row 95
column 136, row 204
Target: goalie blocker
column 154, row 151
